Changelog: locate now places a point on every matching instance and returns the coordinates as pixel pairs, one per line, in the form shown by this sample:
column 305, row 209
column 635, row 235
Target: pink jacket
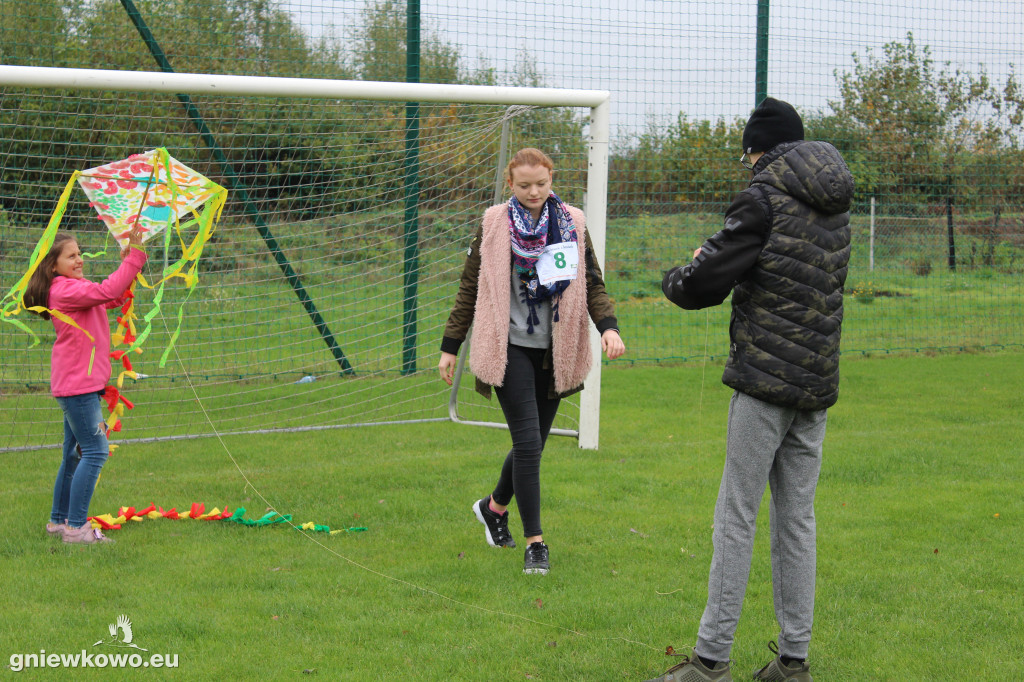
column 86, row 303
column 570, row 336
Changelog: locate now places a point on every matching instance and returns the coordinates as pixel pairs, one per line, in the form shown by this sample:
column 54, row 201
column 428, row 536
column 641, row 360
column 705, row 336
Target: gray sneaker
column 695, row 671
column 535, row 559
column 777, row 671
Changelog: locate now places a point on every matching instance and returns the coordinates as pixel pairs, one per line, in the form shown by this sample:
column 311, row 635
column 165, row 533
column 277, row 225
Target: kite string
column 385, row 576
column 703, row 371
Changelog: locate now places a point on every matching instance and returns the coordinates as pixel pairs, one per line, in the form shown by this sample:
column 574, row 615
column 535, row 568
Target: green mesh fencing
column 921, row 98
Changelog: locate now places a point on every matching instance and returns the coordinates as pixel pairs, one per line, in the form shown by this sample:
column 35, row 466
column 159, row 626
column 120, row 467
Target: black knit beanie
column 773, row 122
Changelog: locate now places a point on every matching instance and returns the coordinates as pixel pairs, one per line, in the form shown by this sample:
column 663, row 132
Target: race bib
column 558, row 262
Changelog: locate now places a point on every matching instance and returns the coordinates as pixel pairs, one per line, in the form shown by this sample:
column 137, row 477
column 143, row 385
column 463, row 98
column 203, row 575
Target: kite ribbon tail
column 17, row 292
column 23, row 327
column 192, row 253
column 177, row 330
column 125, row 323
column 65, row 319
column 148, row 318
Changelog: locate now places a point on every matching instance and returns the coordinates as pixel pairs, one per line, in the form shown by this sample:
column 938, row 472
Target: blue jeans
column 85, row 452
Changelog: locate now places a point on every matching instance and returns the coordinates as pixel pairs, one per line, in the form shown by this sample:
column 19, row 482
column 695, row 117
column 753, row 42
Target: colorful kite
column 152, row 189
column 164, row 196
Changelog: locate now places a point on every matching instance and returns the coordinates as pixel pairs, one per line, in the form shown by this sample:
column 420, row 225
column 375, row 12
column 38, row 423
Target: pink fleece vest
column 570, row 335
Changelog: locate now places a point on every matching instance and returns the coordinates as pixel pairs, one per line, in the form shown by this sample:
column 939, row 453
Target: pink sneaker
column 85, row 535
column 56, row 528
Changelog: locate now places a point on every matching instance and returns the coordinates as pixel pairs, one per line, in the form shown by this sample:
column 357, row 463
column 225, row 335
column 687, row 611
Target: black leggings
column 529, row 413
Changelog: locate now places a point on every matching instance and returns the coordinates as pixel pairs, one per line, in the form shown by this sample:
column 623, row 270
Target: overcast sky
column 663, row 57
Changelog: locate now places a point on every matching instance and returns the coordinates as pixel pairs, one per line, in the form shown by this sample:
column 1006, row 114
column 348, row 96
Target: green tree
column 40, row 33
column 920, row 125
column 378, row 53
column 686, row 166
column 927, row 130
column 379, row 48
column 892, row 106
column 248, row 37
column 302, row 162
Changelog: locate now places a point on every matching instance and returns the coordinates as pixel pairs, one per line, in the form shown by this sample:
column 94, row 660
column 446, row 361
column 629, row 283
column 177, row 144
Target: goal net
column 324, row 290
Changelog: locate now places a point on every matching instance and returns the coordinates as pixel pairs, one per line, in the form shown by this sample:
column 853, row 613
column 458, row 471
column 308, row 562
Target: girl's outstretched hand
column 446, row 367
column 134, row 236
column 612, row 345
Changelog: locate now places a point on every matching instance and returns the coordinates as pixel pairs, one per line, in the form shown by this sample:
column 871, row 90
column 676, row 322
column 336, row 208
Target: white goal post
column 595, row 204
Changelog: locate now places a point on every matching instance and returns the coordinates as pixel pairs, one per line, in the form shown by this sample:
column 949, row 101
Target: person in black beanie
column 772, row 123
column 783, row 254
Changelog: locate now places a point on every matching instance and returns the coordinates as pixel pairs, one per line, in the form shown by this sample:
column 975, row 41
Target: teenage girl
column 529, row 283
column 79, row 370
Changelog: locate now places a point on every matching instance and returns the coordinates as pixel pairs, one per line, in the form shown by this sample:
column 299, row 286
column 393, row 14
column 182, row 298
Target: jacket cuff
column 450, row 345
column 607, row 323
column 137, row 256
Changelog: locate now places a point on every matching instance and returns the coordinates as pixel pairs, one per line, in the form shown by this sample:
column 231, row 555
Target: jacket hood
column 810, row 171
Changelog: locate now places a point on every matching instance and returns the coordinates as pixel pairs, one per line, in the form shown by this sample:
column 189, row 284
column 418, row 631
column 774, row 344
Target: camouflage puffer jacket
column 787, row 313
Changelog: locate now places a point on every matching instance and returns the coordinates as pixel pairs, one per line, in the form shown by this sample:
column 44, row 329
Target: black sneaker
column 495, row 525
column 536, row 560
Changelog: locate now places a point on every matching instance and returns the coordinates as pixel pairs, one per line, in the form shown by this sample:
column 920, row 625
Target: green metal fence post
column 950, row 234
column 412, row 190
column 235, row 184
column 761, row 53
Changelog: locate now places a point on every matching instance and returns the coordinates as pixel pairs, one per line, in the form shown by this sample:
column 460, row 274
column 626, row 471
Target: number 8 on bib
column 558, row 262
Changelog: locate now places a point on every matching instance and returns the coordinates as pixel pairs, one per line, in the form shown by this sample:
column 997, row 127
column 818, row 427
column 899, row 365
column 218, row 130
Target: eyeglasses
column 745, row 161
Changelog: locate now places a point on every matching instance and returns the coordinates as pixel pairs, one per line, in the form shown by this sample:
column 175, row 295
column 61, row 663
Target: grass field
column 919, row 516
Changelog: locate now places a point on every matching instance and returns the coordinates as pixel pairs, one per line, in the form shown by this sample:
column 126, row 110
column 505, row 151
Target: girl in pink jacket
column 79, row 370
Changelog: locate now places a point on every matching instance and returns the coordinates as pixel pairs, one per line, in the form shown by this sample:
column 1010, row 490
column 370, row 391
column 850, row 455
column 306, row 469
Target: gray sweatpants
column 779, row 446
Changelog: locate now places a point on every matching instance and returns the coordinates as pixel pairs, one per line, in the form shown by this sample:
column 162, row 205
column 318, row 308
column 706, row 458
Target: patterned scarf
column 529, row 238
